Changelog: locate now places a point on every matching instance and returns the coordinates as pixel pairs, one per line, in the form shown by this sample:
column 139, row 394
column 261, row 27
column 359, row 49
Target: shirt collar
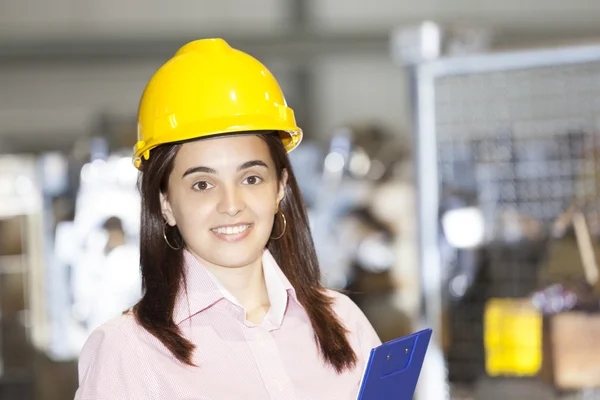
column 203, row 290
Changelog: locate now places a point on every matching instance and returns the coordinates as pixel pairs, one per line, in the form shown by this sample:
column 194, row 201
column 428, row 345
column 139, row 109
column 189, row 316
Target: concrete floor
column 517, row 389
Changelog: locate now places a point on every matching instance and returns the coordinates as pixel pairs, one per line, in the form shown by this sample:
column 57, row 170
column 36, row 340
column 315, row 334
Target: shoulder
column 115, row 343
column 361, row 334
column 114, row 331
column 345, row 308
column 343, row 305
column 354, row 319
column 110, row 339
column 110, row 361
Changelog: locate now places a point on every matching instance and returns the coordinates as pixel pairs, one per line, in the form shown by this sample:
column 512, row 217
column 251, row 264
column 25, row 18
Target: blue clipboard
column 393, row 368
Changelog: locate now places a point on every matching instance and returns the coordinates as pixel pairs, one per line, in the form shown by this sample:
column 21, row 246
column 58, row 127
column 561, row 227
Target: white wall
column 66, row 98
column 353, row 90
column 63, row 99
column 508, row 14
column 59, row 18
column 30, row 18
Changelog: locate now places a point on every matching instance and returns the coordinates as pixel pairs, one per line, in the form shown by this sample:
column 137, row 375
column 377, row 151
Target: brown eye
column 252, row 180
column 202, row 185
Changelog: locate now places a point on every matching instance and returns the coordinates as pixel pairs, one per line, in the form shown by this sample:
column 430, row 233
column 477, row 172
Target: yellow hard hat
column 209, row 88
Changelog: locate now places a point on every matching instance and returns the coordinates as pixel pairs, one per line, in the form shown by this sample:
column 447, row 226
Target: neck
column 246, row 284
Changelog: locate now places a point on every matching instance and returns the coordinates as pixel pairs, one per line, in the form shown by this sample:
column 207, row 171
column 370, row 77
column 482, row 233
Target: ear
column 281, row 187
column 167, row 212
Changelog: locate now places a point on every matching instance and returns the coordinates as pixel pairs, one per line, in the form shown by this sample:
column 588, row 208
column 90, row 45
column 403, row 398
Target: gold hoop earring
column 167, row 240
column 284, row 226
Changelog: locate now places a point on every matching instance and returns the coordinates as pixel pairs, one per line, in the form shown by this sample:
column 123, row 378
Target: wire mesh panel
column 525, row 133
column 521, row 145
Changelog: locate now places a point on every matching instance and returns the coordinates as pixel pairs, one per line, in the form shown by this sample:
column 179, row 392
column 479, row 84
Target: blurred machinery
column 70, row 245
column 360, row 197
column 505, row 144
column 98, row 251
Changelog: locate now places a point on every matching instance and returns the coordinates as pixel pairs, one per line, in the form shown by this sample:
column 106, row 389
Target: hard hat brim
column 290, row 138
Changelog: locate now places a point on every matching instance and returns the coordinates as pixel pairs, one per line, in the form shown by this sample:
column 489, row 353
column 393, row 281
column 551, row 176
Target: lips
column 232, row 233
column 231, row 229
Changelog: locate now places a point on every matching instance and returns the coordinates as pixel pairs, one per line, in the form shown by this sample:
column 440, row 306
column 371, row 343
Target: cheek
column 191, row 214
column 263, row 205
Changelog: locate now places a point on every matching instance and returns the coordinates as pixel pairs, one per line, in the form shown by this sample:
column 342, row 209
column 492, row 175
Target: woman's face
column 223, row 195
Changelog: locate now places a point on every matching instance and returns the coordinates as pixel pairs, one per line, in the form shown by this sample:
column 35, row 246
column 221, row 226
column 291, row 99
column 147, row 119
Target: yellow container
column 512, row 338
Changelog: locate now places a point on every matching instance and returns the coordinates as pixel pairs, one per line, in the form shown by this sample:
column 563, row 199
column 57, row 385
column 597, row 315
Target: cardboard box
column 572, row 350
column 562, row 349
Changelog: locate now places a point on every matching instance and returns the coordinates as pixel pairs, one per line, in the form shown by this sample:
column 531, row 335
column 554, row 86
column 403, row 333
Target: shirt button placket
column 271, row 367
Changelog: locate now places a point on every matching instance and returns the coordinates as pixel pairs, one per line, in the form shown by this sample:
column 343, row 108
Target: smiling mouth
column 231, row 230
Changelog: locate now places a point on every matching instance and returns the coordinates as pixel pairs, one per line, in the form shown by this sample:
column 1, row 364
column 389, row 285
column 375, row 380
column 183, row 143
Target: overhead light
column 464, row 227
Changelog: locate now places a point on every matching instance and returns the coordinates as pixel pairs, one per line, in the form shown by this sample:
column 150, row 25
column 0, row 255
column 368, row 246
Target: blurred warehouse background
column 451, row 167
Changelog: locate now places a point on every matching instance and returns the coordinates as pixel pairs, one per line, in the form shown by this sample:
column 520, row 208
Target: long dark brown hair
column 163, row 272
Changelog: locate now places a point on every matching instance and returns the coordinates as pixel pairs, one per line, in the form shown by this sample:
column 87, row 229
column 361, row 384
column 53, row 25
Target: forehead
column 224, row 151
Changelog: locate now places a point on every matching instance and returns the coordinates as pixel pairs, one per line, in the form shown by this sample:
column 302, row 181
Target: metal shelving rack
column 500, row 102
column 21, row 275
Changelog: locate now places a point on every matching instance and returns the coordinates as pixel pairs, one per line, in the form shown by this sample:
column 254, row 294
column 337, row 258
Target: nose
column 231, row 201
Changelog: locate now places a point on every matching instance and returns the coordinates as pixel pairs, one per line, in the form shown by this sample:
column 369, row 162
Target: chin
column 236, row 262
column 229, row 257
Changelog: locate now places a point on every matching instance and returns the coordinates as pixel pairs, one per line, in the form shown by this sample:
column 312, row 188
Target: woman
column 233, row 307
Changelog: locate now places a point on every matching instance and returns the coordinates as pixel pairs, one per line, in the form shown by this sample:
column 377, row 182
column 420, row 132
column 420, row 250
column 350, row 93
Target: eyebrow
column 208, row 170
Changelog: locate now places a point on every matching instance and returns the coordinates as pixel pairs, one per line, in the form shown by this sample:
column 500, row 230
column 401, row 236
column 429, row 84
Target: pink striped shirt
column 236, row 359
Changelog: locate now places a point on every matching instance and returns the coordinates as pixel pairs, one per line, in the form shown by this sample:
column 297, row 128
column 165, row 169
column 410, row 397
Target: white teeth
column 231, row 230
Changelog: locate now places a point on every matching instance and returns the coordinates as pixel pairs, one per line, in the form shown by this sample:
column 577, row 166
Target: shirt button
column 279, row 383
column 262, row 339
